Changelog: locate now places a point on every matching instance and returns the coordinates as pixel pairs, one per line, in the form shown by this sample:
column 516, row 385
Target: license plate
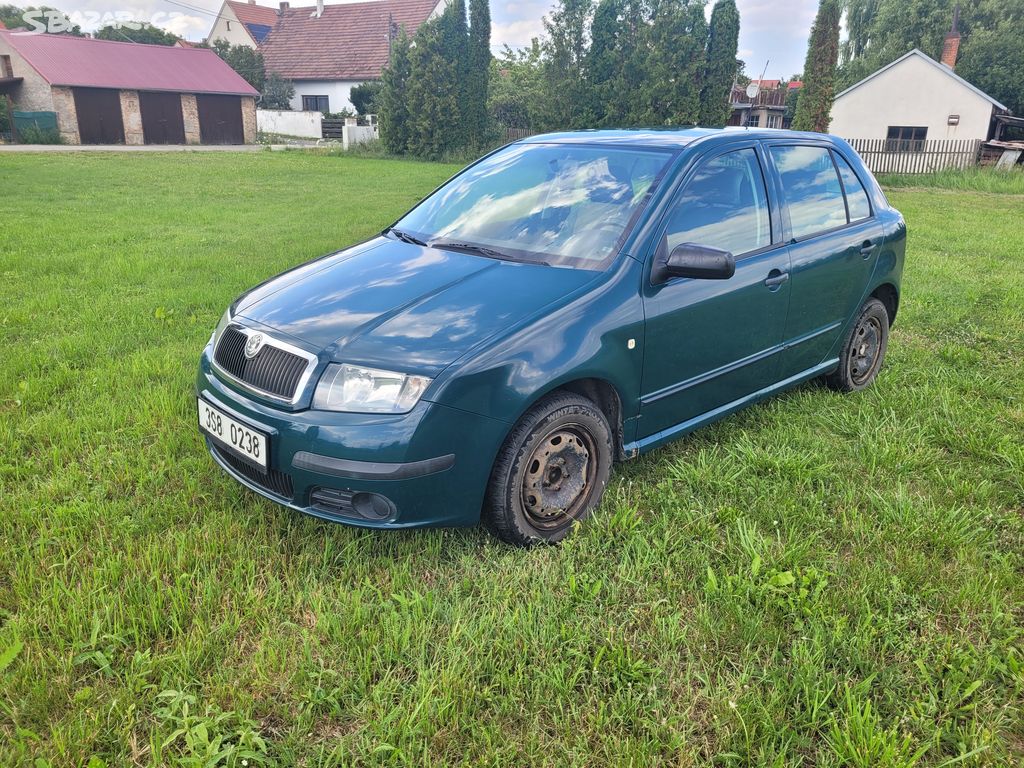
column 243, row 440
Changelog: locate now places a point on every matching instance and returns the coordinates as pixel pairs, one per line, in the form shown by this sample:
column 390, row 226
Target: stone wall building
column 105, row 92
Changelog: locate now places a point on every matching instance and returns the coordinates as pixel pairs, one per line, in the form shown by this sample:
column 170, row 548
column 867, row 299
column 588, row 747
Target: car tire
column 551, row 471
column 863, row 349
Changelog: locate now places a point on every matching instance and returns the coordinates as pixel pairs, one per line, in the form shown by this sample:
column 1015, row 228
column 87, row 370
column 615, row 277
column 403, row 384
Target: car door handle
column 867, row 249
column 776, row 278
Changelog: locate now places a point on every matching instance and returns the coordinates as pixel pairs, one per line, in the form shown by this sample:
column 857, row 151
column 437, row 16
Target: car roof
column 664, row 138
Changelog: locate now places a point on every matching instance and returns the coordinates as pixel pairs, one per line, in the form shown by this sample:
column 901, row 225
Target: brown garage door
column 99, row 116
column 220, row 119
column 162, row 122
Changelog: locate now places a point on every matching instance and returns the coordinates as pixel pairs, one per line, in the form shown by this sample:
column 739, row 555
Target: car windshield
column 557, row 204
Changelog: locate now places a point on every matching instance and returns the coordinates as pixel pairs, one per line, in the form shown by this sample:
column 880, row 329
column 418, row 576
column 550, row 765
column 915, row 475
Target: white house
column 327, row 50
column 242, row 23
column 915, row 99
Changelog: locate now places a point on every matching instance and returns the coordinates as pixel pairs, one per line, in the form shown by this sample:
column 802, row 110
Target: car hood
column 395, row 305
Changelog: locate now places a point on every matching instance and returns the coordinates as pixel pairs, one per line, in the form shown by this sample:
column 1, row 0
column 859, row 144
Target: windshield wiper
column 405, row 237
column 482, row 250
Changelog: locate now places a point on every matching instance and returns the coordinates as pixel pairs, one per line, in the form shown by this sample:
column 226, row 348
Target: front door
column 709, row 343
column 834, row 244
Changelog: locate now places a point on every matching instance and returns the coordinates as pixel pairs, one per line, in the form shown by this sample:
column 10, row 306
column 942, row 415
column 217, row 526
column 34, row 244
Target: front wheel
column 863, row 350
column 550, row 472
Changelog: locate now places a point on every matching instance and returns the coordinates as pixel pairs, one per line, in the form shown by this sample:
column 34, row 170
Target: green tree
column 721, row 70
column 365, row 97
column 455, row 52
column 672, row 64
column 478, row 78
column 603, row 60
column 993, row 60
column 432, row 94
column 813, row 110
column 394, row 97
column 516, row 88
column 147, row 33
column 277, row 92
column 244, row 60
column 880, row 31
column 565, row 100
column 41, row 18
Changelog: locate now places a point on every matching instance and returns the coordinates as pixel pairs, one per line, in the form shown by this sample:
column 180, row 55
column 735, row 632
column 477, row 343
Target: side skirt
column 650, row 442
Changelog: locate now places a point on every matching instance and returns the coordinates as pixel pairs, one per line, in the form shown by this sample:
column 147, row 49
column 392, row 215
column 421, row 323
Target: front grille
column 272, row 480
column 272, row 370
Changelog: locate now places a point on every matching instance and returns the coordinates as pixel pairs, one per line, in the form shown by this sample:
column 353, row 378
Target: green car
column 567, row 301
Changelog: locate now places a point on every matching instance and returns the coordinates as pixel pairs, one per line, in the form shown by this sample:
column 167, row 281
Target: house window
column 753, row 120
column 906, row 138
column 774, row 120
column 315, row 104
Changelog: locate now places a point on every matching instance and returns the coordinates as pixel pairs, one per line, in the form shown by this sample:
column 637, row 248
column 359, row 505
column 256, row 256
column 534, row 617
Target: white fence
column 357, row 134
column 901, row 156
column 306, row 125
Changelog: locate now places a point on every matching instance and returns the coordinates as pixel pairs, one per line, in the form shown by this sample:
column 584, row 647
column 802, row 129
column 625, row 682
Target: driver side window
column 723, row 206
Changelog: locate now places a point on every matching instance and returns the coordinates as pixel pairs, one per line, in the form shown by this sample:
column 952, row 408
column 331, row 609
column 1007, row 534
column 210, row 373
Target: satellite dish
column 752, row 90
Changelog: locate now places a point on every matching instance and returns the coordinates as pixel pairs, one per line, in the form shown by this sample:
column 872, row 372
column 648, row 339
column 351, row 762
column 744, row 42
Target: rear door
column 99, row 116
column 834, row 239
column 709, row 343
column 220, row 119
column 162, row 121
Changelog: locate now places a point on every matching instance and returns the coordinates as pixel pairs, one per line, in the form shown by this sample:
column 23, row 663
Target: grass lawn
column 817, row 581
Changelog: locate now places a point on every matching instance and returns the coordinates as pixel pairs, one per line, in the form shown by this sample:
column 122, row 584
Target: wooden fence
column 904, row 156
column 515, row 134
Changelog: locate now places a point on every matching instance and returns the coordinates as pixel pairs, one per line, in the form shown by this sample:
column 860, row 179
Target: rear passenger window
column 810, row 185
column 723, row 206
column 856, row 197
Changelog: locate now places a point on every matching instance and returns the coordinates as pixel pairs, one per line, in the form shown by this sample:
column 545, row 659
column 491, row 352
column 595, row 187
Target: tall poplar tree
column 813, row 111
column 720, row 70
column 394, row 105
column 565, row 100
column 478, row 84
column 674, row 43
column 432, row 94
column 602, row 63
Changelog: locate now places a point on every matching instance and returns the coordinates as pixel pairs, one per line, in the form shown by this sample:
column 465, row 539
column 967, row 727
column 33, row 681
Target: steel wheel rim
column 865, row 349
column 559, row 476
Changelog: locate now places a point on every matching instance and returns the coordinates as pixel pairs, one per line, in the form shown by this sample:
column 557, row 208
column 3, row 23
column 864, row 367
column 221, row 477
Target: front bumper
column 428, row 467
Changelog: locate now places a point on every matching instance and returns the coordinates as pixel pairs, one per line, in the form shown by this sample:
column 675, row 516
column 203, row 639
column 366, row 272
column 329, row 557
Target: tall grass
column 989, row 179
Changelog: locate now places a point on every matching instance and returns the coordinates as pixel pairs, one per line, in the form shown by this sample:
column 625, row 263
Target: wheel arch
column 888, row 294
column 600, row 392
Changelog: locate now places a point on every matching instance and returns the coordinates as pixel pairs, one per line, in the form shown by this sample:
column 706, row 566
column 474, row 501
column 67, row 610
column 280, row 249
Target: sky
column 774, row 32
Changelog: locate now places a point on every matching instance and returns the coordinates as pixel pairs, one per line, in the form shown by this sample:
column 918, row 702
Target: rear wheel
column 551, row 471
column 864, row 349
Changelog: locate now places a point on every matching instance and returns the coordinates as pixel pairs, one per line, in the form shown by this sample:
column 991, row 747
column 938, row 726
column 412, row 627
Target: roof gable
column 940, row 67
column 88, row 63
column 348, row 42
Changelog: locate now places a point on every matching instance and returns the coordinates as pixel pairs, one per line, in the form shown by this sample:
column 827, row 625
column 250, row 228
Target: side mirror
column 697, row 261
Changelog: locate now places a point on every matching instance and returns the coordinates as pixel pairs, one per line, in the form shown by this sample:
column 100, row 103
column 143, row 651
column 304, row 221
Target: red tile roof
column 250, row 13
column 348, row 42
column 84, row 62
column 768, row 85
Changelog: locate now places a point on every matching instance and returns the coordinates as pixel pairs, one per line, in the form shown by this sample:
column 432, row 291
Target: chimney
column 285, row 6
column 319, row 10
column 951, row 45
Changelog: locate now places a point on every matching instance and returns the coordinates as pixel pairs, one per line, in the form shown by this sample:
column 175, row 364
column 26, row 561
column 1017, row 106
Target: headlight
column 224, row 321
column 367, row 390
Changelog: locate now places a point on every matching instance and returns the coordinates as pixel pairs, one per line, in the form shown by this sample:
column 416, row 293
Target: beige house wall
column 33, row 95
